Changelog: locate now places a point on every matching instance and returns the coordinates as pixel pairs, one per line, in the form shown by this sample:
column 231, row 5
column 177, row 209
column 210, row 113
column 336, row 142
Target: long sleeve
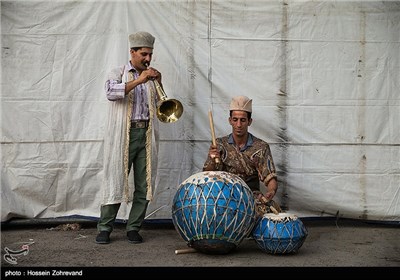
column 114, row 86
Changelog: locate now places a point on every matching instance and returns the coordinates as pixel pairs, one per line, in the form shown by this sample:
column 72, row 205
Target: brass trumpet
column 168, row 110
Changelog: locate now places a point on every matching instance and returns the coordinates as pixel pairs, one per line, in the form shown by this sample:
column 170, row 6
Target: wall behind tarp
column 324, row 77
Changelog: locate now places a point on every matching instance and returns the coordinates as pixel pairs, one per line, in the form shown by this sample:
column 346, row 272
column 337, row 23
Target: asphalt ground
column 69, row 245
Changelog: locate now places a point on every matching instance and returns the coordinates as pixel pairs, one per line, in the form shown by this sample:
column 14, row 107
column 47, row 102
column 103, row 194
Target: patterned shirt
column 253, row 163
column 115, row 90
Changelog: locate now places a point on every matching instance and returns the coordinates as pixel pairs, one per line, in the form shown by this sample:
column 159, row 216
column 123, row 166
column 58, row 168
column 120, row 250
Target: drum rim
column 279, row 216
column 214, row 173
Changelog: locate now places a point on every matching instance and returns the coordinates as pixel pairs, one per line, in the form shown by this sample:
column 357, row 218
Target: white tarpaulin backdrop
column 324, row 77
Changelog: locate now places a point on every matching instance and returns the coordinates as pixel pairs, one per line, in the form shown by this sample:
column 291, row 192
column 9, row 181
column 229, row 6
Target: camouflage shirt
column 253, row 163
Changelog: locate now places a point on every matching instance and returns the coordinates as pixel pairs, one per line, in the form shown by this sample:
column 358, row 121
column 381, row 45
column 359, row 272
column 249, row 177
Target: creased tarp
column 323, row 75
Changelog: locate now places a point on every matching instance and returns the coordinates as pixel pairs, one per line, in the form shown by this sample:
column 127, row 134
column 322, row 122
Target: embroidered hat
column 141, row 39
column 241, row 103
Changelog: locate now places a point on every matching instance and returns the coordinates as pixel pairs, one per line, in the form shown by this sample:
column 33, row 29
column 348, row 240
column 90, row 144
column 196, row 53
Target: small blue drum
column 280, row 233
column 213, row 211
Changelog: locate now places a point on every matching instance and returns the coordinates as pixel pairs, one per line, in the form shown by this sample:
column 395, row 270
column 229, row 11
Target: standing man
column 131, row 139
column 245, row 155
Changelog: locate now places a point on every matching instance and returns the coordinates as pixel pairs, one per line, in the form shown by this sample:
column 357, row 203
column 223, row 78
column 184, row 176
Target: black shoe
column 103, row 237
column 134, row 236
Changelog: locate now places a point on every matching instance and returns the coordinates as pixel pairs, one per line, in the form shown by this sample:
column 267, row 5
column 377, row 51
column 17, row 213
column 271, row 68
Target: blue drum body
column 213, row 211
column 281, row 233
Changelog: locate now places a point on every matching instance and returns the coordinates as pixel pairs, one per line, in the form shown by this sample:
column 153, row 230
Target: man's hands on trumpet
column 146, row 75
column 150, row 74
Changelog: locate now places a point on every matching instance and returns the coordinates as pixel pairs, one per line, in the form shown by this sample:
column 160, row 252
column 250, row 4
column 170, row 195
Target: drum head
column 280, row 216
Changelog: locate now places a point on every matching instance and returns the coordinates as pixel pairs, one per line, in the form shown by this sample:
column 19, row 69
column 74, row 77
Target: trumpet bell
column 169, row 110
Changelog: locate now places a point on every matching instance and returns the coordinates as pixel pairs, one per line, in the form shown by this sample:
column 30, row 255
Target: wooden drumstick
column 214, row 142
column 268, row 202
column 185, row 251
column 274, row 210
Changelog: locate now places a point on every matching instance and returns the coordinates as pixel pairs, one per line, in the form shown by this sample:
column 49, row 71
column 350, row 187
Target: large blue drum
column 280, row 233
column 213, row 211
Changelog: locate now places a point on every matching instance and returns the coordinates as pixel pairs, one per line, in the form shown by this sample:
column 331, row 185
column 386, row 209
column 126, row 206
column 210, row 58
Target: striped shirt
column 115, row 90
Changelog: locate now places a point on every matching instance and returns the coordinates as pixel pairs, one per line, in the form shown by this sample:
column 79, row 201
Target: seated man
column 245, row 155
